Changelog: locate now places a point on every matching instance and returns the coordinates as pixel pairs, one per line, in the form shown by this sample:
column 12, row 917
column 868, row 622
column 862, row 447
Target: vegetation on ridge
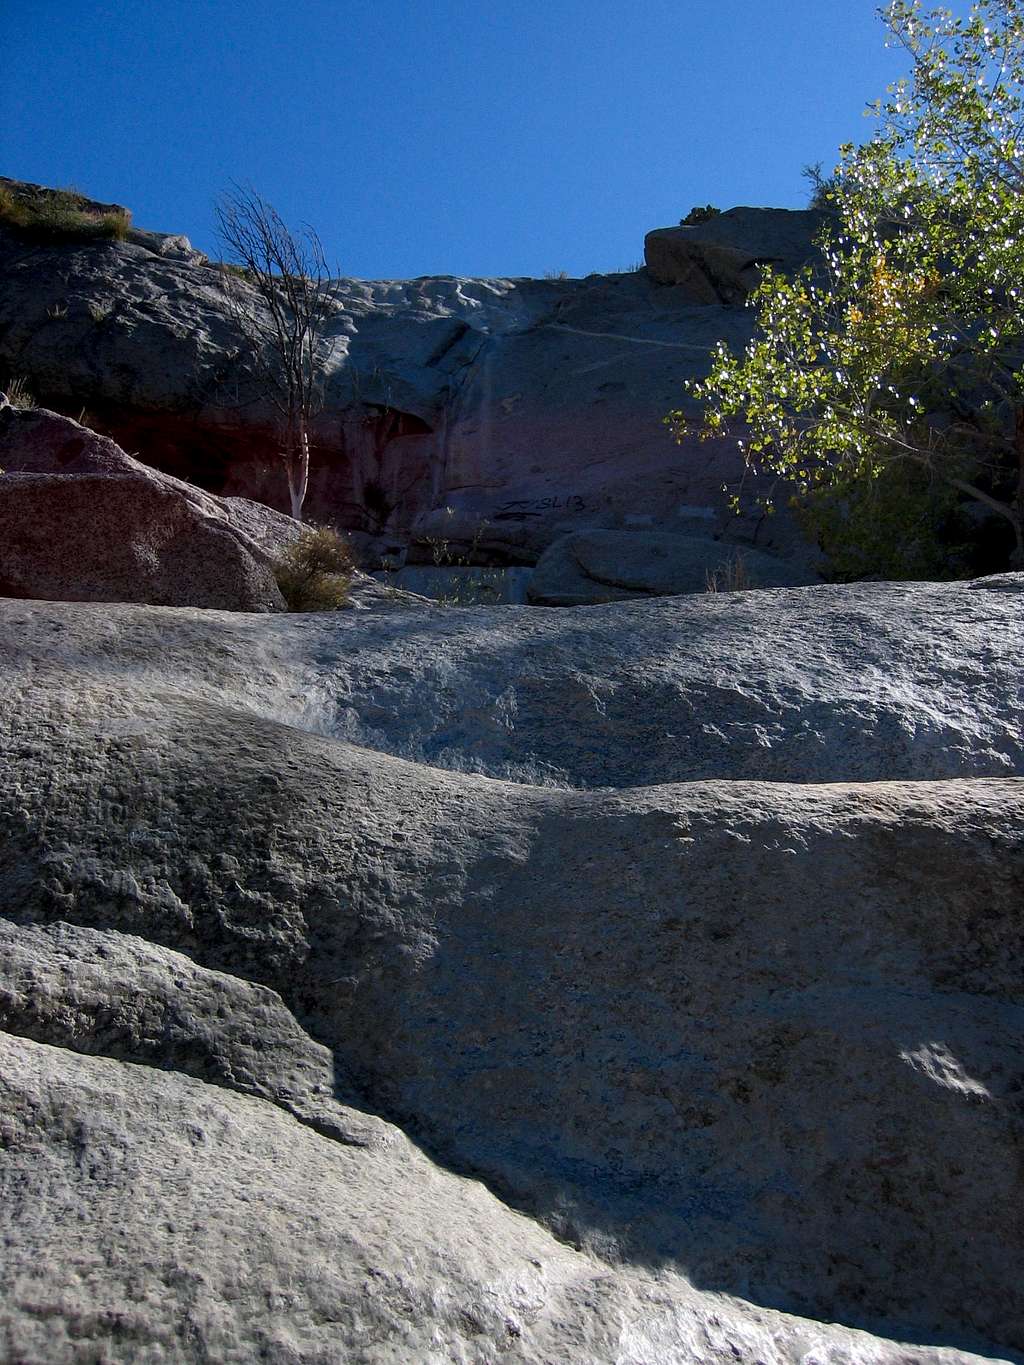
column 45, row 215
column 700, row 214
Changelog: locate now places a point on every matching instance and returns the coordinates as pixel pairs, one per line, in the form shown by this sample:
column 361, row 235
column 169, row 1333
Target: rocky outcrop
column 201, row 1201
column 736, row 1049
column 613, row 566
column 82, row 521
column 719, row 260
column 826, row 684
column 638, row 983
column 501, row 412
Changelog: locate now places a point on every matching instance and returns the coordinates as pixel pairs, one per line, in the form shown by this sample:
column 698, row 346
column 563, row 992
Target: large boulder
column 719, row 261
column 82, row 521
column 731, row 1037
column 612, row 566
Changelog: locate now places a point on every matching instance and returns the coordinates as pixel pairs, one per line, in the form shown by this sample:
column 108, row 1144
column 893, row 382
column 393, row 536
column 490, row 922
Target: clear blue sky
column 470, row 137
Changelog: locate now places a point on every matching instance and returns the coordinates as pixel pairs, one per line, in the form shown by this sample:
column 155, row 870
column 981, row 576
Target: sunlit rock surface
column 706, row 1024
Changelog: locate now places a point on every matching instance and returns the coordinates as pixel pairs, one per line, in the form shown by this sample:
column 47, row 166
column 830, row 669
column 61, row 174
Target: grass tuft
column 730, row 576
column 19, row 395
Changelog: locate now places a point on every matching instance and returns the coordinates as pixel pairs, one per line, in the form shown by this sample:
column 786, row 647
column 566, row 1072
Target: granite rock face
column 82, row 521
column 862, row 683
column 744, row 1054
column 719, row 260
column 230, row 1232
column 612, row 566
column 504, row 412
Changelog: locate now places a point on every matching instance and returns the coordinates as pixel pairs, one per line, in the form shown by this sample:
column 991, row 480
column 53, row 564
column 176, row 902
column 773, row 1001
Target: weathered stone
column 860, row 683
column 1000, row 582
column 718, row 261
column 271, row 530
column 118, row 996
column 763, row 1035
column 158, row 1218
column 612, row 566
column 82, row 521
column 530, row 408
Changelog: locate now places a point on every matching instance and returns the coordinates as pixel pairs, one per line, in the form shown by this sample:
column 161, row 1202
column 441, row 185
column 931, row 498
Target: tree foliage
column 898, row 356
column 283, row 300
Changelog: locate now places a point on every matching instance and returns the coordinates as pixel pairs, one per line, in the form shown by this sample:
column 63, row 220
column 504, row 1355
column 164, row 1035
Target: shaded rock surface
column 118, row 996
column 612, row 566
column 509, row 411
column 318, row 1252
column 731, row 1042
column 82, row 521
column 719, row 260
column 462, row 585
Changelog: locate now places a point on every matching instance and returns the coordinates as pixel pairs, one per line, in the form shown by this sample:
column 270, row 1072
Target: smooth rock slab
column 148, row 1216
column 857, row 683
column 766, row 1035
column 591, row 567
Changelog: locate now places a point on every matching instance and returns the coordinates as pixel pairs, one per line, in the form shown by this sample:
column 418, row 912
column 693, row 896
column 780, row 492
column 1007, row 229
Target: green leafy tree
column 897, row 358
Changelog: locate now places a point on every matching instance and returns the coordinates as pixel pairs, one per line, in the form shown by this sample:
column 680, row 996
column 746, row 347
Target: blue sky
column 452, row 137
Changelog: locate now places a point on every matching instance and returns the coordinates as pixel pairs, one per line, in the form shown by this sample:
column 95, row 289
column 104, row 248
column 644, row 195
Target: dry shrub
column 315, row 572
column 730, row 576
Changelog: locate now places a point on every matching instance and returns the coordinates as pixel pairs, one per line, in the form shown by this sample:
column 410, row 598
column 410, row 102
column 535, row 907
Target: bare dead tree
column 284, row 317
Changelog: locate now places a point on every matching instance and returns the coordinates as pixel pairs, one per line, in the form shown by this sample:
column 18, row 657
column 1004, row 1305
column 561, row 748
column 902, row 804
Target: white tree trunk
column 297, row 462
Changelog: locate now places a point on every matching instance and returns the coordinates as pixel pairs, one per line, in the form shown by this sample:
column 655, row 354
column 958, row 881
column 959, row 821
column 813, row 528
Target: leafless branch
column 283, row 306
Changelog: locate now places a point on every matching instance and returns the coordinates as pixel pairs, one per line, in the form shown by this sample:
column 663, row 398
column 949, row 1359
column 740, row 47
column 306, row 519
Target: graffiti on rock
column 522, row 509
